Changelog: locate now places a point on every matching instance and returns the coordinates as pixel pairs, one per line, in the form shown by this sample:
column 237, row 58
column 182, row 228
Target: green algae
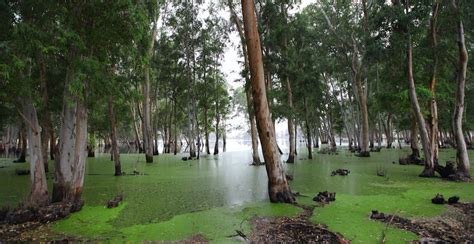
column 217, row 195
column 214, row 224
column 92, row 222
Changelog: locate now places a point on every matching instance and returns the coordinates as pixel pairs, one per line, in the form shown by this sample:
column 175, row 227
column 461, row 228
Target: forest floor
column 213, row 198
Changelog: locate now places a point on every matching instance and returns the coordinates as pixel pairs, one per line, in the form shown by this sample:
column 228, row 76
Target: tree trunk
column 46, row 121
column 91, row 146
column 70, row 163
column 197, row 134
column 433, row 116
column 175, row 150
column 248, row 86
column 135, row 129
column 39, row 188
column 206, row 131
column 52, row 144
column 308, row 131
column 224, row 140
column 291, row 127
column 253, row 126
column 22, row 144
column 147, row 131
column 388, row 131
column 296, row 139
column 462, row 158
column 399, row 140
column 415, row 150
column 316, row 134
column 429, row 164
column 364, row 133
column 216, row 145
column 278, row 188
column 113, row 138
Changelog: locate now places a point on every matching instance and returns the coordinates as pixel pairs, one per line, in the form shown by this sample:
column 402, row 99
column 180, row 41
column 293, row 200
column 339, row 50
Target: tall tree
column 278, row 188
column 462, row 158
column 248, row 87
column 153, row 11
column 429, row 164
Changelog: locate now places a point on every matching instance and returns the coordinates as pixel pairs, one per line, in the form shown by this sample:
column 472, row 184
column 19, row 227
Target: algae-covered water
column 216, row 195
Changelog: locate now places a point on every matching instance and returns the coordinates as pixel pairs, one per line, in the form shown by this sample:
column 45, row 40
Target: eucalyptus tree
column 85, row 54
column 278, row 188
column 237, row 20
column 462, row 157
column 146, row 46
column 23, row 45
column 349, row 25
column 212, row 38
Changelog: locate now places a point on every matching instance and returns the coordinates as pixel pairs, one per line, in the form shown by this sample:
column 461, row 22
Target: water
column 222, row 190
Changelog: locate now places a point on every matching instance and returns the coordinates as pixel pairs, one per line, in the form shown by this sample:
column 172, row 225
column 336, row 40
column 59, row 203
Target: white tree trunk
column 39, row 188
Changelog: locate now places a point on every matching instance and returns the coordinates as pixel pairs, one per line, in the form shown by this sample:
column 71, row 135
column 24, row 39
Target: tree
column 248, row 87
column 462, row 158
column 278, row 188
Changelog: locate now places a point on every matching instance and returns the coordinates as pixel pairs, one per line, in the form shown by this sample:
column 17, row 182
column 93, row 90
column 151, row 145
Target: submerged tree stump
column 115, row 202
column 342, row 172
column 325, row 197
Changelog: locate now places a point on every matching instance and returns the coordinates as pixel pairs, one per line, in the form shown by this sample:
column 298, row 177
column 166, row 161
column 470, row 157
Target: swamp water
column 216, row 195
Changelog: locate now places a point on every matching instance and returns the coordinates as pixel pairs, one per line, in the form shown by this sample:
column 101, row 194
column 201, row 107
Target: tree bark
column 175, row 150
column 462, row 158
column 70, row 163
column 39, row 188
column 23, row 144
column 291, row 126
column 52, row 144
column 147, row 131
column 138, row 144
column 248, row 86
column 46, row 133
column 429, row 164
column 206, row 131
column 278, row 188
column 113, row 138
column 415, row 150
column 216, row 145
column 364, row 133
column 309, row 140
column 433, row 116
column 388, row 131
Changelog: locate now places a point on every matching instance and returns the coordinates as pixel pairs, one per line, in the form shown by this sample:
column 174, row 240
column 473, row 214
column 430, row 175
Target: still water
column 170, row 187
